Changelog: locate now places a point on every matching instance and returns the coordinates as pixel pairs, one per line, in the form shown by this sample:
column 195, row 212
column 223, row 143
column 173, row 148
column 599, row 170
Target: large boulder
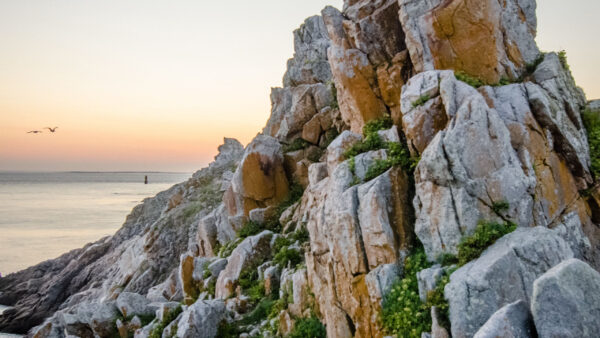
column 201, row 319
column 566, row 301
column 511, row 321
column 247, row 255
column 260, row 179
column 504, row 274
column 483, row 38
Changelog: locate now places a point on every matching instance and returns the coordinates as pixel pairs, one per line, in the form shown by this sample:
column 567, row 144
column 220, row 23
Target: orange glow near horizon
column 155, row 86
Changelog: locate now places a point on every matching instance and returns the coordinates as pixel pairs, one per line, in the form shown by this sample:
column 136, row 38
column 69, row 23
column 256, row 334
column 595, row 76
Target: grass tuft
column 486, row 234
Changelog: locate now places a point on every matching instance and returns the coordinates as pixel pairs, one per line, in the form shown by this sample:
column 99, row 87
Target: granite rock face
column 566, row 301
column 505, row 273
column 477, row 127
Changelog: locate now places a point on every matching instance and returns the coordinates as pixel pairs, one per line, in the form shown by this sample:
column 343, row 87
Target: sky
column 148, row 85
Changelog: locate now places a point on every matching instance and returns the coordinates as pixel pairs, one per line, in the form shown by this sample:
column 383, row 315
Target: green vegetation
column 259, row 313
column 398, row 154
column 403, row 314
column 287, row 256
column 421, row 101
column 297, row 144
column 226, row 250
column 446, row 259
column 308, row 328
column 250, row 229
column 531, row 67
column 436, row 298
column 330, row 135
column 562, row 56
column 250, row 284
column 500, row 207
column 301, row 235
column 335, row 104
column 158, row 330
column 591, row 120
column 468, row 79
column 486, row 234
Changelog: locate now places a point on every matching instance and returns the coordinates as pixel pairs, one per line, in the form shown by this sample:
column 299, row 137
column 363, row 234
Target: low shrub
column 500, row 207
column 259, row 313
column 562, row 56
column 591, row 120
column 486, row 234
column 301, row 235
column 226, row 250
column 297, row 144
column 250, row 228
column 468, row 79
column 403, row 312
column 287, row 256
column 158, row 329
column 308, row 328
column 436, row 298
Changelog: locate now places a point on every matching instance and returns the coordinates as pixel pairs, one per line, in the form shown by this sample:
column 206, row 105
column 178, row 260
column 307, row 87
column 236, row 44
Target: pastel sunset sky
column 156, row 85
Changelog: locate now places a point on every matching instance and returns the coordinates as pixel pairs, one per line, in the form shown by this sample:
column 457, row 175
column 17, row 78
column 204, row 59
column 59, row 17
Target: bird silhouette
column 52, row 130
column 35, row 132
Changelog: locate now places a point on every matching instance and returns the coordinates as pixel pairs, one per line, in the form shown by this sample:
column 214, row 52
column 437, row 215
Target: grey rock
column 130, row 304
column 504, row 274
column 566, row 301
column 511, row 321
column 364, row 161
column 201, row 319
column 317, row 172
column 428, row 280
column 249, row 252
column 437, row 330
column 309, row 64
column 337, row 148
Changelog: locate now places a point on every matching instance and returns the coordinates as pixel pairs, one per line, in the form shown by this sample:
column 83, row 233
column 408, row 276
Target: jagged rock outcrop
column 566, row 301
column 142, row 254
column 458, row 85
column 513, row 320
column 486, row 39
column 504, row 274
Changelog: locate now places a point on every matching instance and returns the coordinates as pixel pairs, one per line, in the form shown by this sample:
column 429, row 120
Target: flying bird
column 52, row 130
column 35, row 132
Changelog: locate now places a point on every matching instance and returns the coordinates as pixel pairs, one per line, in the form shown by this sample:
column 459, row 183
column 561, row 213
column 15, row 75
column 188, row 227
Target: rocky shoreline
column 426, row 172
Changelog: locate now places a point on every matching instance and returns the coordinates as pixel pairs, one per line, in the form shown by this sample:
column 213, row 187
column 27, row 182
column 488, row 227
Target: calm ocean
column 43, row 215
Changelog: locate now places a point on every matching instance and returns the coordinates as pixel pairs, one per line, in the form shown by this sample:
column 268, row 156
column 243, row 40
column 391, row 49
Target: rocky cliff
column 426, row 172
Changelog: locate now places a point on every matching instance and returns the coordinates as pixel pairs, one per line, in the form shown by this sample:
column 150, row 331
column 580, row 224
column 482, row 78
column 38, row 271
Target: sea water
column 43, row 215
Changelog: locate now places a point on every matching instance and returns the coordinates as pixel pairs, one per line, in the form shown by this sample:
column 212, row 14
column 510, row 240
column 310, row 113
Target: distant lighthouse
column 146, row 179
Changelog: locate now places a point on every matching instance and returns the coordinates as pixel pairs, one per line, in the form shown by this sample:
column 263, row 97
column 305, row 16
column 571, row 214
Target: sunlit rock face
column 494, row 130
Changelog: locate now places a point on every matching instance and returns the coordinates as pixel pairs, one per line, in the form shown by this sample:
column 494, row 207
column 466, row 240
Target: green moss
column 486, row 234
column 403, row 312
column 468, row 79
column 421, row 101
column 158, row 329
column 308, row 328
column 297, row 144
column 591, row 120
column 500, row 207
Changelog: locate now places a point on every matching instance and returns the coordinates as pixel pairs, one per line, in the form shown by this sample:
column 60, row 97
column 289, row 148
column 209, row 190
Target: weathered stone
column 566, row 301
column 260, row 179
column 379, row 284
column 271, row 278
column 512, row 321
column 131, row 304
column 317, row 172
column 437, row 330
column 293, row 107
column 364, row 161
column 337, row 148
column 503, row 274
column 428, row 280
column 494, row 40
column 201, row 319
column 247, row 255
column 312, row 130
column 309, row 64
